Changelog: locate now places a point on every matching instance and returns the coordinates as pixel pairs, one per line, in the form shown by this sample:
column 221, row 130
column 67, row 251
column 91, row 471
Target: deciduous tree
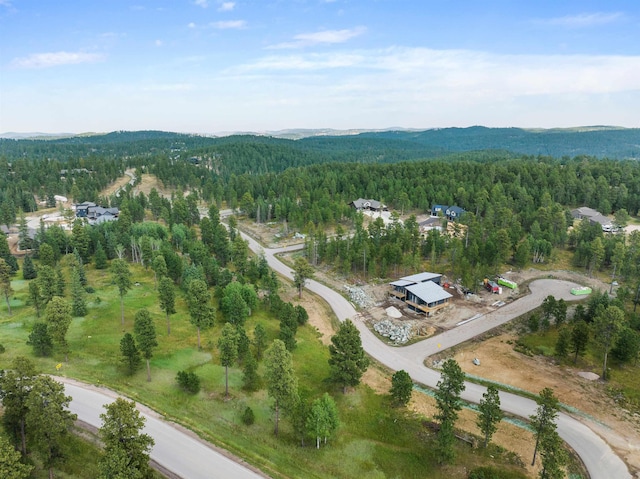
column 323, row 418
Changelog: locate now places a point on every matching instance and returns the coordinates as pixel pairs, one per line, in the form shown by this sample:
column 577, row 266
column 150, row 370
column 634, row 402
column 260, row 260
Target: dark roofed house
column 362, row 204
column 584, row 212
column 452, row 212
column 96, row 214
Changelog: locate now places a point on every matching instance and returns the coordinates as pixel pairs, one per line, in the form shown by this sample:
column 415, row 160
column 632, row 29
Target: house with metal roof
column 427, row 297
column 422, row 292
column 452, row 213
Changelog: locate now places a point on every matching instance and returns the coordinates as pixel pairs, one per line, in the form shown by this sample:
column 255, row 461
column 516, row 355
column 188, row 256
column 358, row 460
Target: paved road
column 599, row 459
column 176, row 450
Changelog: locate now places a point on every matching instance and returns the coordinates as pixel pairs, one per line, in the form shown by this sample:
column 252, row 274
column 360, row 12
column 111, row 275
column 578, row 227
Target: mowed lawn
column 374, row 440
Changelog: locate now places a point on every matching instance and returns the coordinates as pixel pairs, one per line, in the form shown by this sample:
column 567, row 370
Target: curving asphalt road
column 596, row 454
column 175, row 449
column 186, row 456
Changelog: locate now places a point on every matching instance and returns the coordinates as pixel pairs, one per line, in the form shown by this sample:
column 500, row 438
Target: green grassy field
column 374, row 439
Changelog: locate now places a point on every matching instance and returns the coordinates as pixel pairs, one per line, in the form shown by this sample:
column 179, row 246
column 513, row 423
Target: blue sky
column 208, row 66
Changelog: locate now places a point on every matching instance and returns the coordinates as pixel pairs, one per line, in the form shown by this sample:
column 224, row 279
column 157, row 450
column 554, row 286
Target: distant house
column 96, row 214
column 367, row 205
column 584, row 212
column 594, row 217
column 452, row 213
column 422, row 292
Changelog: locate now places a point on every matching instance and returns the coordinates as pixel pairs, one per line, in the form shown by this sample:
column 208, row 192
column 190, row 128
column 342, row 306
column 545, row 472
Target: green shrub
column 248, row 418
column 189, row 381
column 90, row 289
column 2, row 350
column 488, row 472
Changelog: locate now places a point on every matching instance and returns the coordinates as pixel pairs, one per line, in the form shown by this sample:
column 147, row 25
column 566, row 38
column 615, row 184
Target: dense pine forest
column 517, row 213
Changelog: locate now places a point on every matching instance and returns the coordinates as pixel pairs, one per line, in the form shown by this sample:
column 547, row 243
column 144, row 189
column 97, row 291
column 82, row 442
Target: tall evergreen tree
column 167, row 298
column 5, row 283
column 449, row 388
column 401, row 387
column 58, row 317
column 130, row 354
column 40, row 339
column 228, row 347
column 543, row 422
column 122, row 279
column 282, row 384
column 490, row 413
column 78, row 294
column 15, row 385
column 145, row 333
column 607, row 326
column 126, row 448
column 11, row 466
column 28, row 268
column 201, row 313
column 347, row 360
column 100, row 257
column 49, row 420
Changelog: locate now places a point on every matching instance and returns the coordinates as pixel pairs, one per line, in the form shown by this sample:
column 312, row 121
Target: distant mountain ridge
column 389, row 144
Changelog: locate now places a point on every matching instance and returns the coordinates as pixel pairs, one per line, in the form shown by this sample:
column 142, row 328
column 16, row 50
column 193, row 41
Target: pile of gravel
column 398, row 333
column 359, row 297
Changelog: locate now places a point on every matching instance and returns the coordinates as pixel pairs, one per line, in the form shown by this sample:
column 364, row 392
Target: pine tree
column 11, row 466
column 490, row 413
column 282, row 384
column 48, row 420
column 130, row 354
column 167, row 298
column 126, row 448
column 259, row 340
column 58, row 317
column 543, row 422
column 40, row 339
column 401, row 387
column 448, row 402
column 250, row 377
column 5, row 283
column 145, row 333
column 28, row 268
column 15, row 386
column 100, row 257
column 122, row 279
column 228, row 347
column 347, row 360
column 202, row 315
column 78, row 294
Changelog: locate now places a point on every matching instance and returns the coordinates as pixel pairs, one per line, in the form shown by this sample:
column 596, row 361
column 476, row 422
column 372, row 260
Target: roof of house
column 429, row 292
column 584, row 211
column 421, row 277
column 432, row 221
column 364, row 203
column 436, row 207
column 603, row 220
column 455, row 209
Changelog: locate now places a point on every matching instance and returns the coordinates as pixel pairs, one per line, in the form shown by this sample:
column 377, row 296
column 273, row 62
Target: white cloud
column 229, row 24
column 330, row 37
column 226, row 6
column 54, row 59
column 158, row 43
column 201, row 3
column 5, row 3
column 583, row 20
column 191, row 25
column 460, row 72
